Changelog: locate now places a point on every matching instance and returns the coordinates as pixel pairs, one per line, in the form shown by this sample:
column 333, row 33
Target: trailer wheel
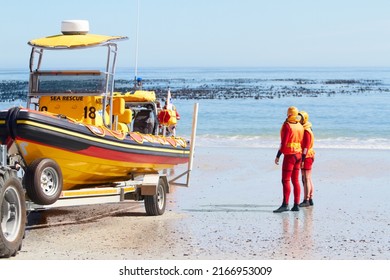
column 43, row 181
column 12, row 214
column 155, row 204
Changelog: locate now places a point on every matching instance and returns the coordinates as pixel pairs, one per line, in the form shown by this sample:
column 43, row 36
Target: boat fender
column 150, row 138
column 96, row 130
column 172, row 141
column 181, row 142
column 10, row 121
column 162, row 140
column 137, row 137
column 117, row 134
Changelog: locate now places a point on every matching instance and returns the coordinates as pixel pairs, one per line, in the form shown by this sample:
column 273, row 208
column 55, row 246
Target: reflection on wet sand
column 296, row 237
column 232, row 208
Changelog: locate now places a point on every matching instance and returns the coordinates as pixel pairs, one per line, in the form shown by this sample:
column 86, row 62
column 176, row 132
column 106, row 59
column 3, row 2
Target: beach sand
column 226, row 213
column 234, row 192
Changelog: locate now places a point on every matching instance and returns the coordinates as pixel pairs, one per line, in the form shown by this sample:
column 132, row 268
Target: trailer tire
column 43, row 181
column 12, row 214
column 155, row 204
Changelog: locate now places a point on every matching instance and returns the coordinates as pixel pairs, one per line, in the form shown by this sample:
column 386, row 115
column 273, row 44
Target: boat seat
column 123, row 127
column 124, row 120
column 126, row 116
column 118, row 111
column 144, row 122
column 118, row 106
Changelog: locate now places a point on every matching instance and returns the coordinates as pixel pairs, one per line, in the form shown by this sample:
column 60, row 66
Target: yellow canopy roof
column 73, row 41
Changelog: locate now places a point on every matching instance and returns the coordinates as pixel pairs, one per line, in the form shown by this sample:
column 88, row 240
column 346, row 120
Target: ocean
column 245, row 107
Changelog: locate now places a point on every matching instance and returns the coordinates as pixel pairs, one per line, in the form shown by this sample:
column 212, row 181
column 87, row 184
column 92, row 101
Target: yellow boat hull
column 89, row 155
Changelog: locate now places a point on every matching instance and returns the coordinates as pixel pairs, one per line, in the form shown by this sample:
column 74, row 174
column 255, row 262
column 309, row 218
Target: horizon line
column 205, row 67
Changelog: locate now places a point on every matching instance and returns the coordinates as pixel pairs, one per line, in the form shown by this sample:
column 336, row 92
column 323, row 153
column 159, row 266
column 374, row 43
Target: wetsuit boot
column 282, row 208
column 295, row 207
column 304, row 203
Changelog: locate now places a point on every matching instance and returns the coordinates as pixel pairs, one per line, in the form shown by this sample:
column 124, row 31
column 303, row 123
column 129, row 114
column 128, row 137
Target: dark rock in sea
column 257, row 89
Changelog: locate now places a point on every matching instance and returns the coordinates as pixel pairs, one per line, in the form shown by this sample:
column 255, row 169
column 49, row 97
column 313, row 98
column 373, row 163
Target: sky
column 211, row 33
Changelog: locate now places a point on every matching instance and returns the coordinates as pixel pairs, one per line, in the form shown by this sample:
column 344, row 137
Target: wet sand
column 226, row 213
column 232, row 211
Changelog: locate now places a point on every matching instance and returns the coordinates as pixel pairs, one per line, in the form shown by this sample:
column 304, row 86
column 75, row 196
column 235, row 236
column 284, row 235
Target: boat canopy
column 79, row 85
column 74, row 41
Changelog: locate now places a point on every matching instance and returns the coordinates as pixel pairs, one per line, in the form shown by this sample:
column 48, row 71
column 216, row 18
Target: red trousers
column 290, row 172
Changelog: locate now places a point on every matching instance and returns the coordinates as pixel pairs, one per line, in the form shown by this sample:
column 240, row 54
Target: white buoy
column 74, row 27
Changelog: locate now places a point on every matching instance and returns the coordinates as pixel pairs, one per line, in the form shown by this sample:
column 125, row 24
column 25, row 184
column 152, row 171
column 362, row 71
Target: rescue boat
column 77, row 132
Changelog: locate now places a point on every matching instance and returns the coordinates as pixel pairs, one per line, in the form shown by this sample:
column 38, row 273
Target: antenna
column 136, row 48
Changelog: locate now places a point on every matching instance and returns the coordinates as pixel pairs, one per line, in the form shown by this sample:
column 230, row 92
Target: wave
column 242, row 141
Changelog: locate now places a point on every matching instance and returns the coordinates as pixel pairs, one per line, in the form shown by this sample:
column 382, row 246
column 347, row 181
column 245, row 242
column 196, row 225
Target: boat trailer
column 14, row 203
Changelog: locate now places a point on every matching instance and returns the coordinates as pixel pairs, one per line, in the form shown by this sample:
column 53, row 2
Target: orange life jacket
column 293, row 144
column 310, row 153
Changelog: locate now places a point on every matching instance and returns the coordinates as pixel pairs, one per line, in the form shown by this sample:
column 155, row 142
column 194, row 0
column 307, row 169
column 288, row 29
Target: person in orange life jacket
column 307, row 160
column 172, row 128
column 291, row 135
